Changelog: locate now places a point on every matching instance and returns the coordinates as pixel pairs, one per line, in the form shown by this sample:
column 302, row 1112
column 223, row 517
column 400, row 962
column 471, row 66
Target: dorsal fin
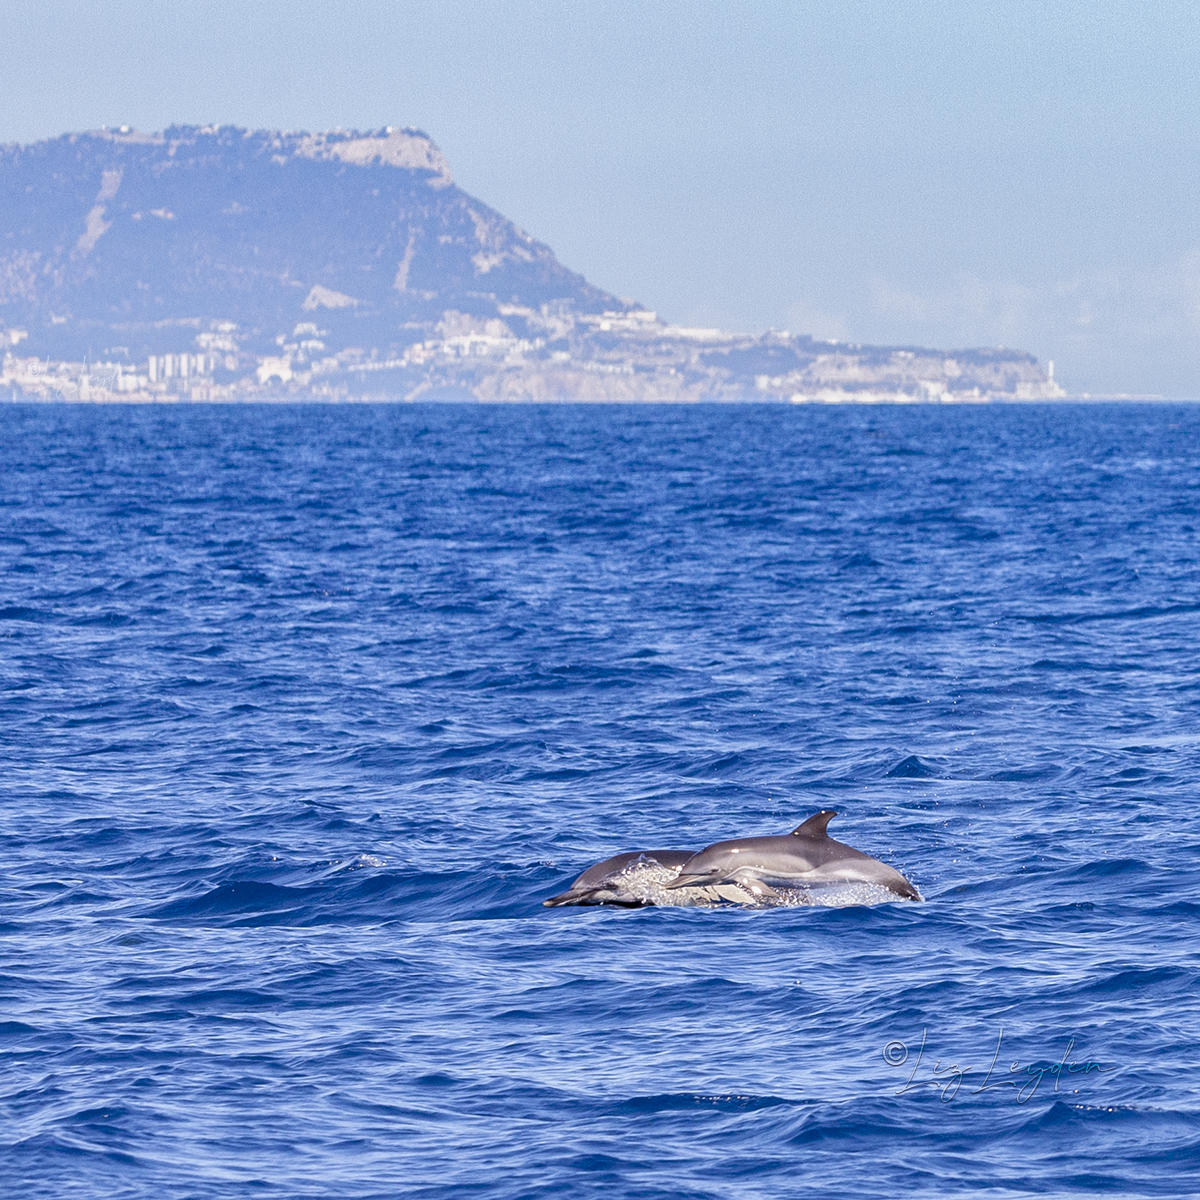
column 815, row 826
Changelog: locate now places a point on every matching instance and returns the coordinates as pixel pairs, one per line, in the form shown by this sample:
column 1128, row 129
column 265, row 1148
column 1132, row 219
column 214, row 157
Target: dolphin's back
column 787, row 853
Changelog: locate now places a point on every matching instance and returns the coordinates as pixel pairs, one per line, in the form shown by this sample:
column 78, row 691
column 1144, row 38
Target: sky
column 951, row 174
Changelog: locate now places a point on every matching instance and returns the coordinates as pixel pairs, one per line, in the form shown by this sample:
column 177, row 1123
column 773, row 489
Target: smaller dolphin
column 805, row 857
column 608, row 881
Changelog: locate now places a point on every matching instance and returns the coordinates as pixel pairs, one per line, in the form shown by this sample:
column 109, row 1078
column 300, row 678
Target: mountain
column 124, row 235
column 224, row 263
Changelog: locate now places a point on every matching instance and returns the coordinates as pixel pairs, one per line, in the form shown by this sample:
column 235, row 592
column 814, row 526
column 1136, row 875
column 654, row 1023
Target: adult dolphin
column 608, row 882
column 806, row 857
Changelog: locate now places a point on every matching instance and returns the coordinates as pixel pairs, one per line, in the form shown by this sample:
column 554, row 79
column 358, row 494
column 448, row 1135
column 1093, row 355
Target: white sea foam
column 645, row 881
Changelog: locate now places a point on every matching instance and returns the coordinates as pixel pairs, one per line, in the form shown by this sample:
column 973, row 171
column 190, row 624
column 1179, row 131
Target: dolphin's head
column 717, row 863
column 601, row 884
column 901, row 886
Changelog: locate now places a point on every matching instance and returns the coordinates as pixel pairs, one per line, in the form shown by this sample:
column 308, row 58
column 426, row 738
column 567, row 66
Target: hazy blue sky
column 954, row 173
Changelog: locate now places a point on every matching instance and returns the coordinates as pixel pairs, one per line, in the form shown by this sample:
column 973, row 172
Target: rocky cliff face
column 120, row 238
column 223, row 263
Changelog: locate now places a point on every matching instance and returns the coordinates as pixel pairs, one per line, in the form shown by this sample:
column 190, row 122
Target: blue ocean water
column 307, row 709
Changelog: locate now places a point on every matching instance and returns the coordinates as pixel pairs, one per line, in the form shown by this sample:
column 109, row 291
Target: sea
column 306, row 709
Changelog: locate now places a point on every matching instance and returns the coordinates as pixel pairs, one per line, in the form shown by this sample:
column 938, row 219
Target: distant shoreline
column 146, row 399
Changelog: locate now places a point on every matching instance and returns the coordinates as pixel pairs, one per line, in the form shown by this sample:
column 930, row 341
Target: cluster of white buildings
column 161, row 367
column 49, row 380
column 163, row 376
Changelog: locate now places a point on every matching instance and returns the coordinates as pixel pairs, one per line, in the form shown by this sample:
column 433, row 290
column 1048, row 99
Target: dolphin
column 607, row 882
column 806, row 857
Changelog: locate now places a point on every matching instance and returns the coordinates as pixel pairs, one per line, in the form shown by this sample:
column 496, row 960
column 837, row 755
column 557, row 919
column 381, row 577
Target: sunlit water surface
column 306, row 710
